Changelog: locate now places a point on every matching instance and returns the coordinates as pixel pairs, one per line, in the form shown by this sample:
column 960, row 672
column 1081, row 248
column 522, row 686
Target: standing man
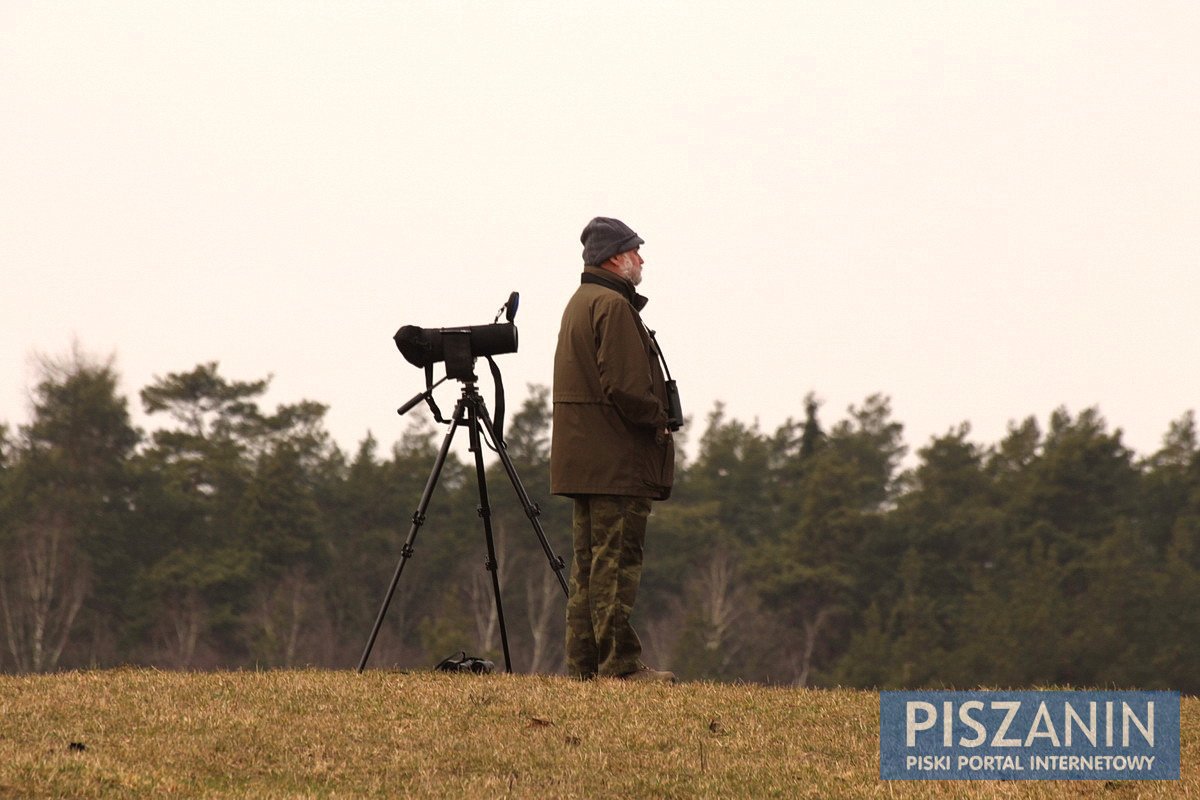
column 611, row 450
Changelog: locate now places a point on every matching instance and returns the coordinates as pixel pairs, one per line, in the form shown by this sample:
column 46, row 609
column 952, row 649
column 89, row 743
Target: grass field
column 144, row 733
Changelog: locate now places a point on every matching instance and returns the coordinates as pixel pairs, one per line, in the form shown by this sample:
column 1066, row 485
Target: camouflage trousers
column 609, row 532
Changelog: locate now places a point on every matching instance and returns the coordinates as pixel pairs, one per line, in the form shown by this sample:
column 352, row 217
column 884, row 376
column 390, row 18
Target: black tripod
column 472, row 412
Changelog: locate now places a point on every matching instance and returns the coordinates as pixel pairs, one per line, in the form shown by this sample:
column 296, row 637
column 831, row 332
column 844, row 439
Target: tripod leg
column 531, row 509
column 418, row 519
column 485, row 513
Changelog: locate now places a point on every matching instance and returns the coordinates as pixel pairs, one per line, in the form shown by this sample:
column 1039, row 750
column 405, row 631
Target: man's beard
column 629, row 271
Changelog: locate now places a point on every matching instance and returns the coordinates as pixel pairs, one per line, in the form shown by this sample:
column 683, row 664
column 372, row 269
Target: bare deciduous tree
column 542, row 598
column 43, row 583
column 279, row 617
column 482, row 595
column 661, row 632
column 723, row 604
column 183, row 621
column 813, row 624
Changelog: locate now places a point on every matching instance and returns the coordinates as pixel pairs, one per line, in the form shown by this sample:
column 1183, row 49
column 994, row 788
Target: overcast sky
column 982, row 210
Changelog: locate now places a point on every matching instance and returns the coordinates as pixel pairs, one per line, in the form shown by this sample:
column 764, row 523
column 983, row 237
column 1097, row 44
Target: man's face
column 629, row 266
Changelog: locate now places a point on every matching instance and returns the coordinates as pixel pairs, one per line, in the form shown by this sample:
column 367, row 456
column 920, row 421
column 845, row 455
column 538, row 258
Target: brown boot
column 646, row 674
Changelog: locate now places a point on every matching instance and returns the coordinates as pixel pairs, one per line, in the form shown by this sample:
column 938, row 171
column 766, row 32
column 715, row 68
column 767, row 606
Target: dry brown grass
column 386, row 734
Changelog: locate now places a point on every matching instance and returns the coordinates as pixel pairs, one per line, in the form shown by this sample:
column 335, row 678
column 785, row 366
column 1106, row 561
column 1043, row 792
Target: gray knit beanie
column 604, row 238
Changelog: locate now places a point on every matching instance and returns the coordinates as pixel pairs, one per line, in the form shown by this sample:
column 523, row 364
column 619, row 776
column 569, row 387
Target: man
column 611, row 450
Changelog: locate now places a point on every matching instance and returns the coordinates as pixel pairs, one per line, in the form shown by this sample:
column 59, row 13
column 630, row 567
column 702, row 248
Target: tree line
column 233, row 535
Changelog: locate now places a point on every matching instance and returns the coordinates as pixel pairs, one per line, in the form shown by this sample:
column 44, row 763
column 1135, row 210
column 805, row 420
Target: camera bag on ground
column 461, row 662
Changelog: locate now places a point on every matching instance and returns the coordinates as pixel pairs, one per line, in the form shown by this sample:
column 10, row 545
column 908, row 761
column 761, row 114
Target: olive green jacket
column 610, row 421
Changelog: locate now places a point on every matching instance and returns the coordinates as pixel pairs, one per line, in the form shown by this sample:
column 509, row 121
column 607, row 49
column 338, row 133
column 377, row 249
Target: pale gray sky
column 983, row 210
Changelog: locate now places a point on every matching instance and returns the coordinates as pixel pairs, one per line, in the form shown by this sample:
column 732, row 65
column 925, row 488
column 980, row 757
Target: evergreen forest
column 232, row 535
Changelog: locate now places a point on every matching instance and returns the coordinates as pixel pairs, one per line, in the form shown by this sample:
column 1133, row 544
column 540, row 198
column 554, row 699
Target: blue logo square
column 1028, row 735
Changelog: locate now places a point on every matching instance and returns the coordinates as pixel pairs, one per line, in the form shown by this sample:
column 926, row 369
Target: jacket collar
column 611, row 280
